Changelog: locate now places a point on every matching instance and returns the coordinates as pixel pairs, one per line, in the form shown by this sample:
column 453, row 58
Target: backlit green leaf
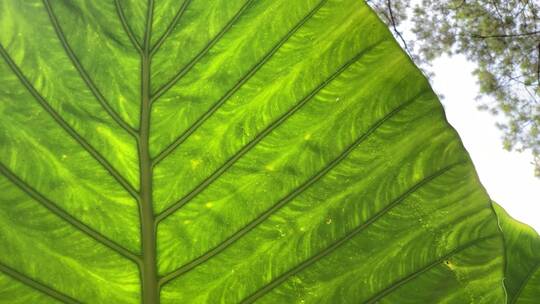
column 226, row 151
column 522, row 250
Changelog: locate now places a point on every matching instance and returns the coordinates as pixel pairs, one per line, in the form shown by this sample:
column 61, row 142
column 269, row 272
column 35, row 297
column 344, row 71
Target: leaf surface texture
column 230, row 151
column 522, row 250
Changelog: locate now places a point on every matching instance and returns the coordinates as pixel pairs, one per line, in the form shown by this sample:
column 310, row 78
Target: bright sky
column 507, row 176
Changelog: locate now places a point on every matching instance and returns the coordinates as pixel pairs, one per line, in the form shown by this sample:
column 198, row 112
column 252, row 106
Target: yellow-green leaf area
column 231, row 151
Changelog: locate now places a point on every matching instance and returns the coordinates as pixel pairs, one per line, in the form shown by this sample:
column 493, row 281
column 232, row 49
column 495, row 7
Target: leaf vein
column 52, row 207
column 534, row 269
column 259, row 137
column 126, row 27
column 395, row 285
column 62, row 123
column 82, row 72
column 53, row 293
column 170, row 28
column 240, row 233
column 328, row 250
column 179, row 140
column 162, row 90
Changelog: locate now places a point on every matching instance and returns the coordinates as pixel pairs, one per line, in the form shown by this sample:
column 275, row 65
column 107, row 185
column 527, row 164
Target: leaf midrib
column 146, row 100
column 148, row 268
column 146, row 75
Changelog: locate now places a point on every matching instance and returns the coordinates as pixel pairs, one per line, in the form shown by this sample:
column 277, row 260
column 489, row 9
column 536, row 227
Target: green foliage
column 230, row 151
column 522, row 250
column 501, row 37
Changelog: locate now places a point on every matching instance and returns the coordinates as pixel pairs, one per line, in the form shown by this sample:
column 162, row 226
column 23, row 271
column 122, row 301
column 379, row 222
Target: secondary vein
column 62, row 123
column 28, row 281
column 343, row 240
column 308, row 183
column 194, row 61
column 534, row 269
column 82, row 72
column 244, row 79
column 53, row 208
column 395, row 285
column 126, row 27
column 177, row 205
column 170, row 28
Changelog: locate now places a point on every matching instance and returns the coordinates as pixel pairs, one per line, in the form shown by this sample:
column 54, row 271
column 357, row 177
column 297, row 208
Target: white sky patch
column 507, row 176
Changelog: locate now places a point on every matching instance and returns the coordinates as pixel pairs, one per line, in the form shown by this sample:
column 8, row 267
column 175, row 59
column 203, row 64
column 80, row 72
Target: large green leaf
column 522, row 250
column 227, row 151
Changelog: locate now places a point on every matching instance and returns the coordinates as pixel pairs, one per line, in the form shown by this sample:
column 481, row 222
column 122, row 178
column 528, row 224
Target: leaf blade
column 296, row 150
column 522, row 247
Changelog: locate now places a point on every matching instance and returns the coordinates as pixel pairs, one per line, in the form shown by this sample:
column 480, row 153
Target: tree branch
column 538, row 65
column 506, row 35
column 394, row 27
